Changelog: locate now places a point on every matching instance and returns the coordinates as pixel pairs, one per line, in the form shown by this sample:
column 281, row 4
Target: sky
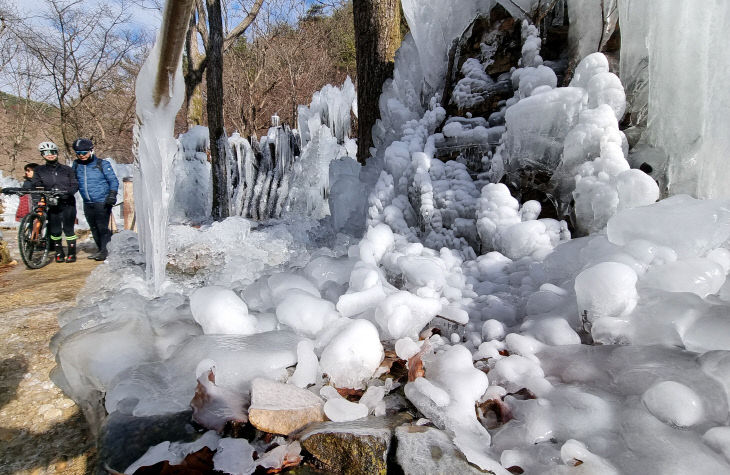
column 147, row 19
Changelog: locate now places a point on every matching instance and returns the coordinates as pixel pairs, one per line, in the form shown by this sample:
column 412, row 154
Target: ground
column 41, row 430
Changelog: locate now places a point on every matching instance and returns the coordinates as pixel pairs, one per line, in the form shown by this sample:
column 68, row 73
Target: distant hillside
column 23, row 125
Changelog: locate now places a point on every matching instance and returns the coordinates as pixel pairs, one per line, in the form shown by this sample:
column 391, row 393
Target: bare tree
column 283, row 61
column 81, row 51
column 216, row 42
column 197, row 57
column 377, row 37
column 24, row 112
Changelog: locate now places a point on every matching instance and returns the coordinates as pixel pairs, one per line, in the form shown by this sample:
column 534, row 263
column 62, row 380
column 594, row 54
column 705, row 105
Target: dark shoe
column 92, row 256
column 60, row 255
column 71, row 251
column 100, row 256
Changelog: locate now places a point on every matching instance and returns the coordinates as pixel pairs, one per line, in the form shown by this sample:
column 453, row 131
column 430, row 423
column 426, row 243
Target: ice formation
column 155, row 153
column 484, row 300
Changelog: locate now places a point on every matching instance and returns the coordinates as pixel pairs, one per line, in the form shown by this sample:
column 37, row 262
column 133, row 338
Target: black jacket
column 56, row 177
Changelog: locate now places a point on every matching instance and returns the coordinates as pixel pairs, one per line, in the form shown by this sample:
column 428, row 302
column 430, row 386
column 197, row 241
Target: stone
column 424, row 449
column 280, row 408
column 353, row 448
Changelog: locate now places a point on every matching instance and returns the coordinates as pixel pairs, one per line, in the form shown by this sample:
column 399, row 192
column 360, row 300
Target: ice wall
column 192, row 200
column 155, row 151
column 434, row 25
column 325, row 130
column 673, row 68
column 688, row 97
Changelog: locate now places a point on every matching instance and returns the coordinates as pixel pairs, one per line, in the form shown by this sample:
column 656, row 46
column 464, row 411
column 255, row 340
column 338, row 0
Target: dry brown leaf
column 350, row 393
column 493, row 412
column 415, row 363
column 415, row 367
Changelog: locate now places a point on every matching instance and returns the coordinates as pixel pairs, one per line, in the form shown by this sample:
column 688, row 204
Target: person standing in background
column 25, row 205
column 98, row 186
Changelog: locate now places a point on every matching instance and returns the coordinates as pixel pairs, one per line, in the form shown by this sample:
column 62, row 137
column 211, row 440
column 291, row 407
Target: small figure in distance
column 25, row 205
column 98, row 186
column 53, row 176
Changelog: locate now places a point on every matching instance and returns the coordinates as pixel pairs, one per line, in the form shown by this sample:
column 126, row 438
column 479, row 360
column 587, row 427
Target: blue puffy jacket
column 96, row 179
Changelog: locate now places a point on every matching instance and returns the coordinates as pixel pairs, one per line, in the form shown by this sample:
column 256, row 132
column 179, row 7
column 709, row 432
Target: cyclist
column 98, row 186
column 53, row 176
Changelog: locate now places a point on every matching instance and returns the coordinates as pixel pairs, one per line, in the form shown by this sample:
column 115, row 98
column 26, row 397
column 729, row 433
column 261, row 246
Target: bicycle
column 33, row 240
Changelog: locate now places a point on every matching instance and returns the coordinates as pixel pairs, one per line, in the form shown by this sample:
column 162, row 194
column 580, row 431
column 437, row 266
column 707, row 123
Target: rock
column 281, row 408
column 428, row 450
column 359, row 447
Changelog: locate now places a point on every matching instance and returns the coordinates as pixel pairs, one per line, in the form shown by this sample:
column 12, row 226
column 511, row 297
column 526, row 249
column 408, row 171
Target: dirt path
column 41, row 430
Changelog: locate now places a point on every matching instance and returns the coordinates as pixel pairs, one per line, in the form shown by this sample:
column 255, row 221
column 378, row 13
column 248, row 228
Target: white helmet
column 48, row 146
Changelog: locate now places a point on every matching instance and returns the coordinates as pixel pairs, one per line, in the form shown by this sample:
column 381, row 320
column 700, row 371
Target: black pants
column 62, row 217
column 97, row 215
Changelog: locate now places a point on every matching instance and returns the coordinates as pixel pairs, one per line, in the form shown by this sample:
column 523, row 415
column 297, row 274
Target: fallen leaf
column 350, row 393
column 415, row 364
column 492, row 413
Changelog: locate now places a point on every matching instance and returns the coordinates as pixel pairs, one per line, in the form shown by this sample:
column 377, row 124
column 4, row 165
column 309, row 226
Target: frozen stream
column 302, row 301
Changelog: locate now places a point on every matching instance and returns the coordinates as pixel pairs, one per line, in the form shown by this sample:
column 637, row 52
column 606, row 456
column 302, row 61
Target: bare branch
column 241, row 28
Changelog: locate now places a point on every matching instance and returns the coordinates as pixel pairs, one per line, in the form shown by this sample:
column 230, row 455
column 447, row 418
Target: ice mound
column 220, row 311
column 446, row 395
column 674, row 403
column 472, row 88
column 705, row 225
column 168, row 386
column 234, row 251
column 505, row 227
column 607, row 289
column 352, row 354
column 306, row 314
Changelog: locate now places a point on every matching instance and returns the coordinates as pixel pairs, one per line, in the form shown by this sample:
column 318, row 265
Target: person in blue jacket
column 98, row 187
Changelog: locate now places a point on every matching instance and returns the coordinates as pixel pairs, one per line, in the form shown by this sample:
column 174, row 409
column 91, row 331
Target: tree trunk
column 214, row 107
column 377, row 37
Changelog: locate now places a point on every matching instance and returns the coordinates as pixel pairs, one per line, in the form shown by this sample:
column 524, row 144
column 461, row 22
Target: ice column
column 160, row 90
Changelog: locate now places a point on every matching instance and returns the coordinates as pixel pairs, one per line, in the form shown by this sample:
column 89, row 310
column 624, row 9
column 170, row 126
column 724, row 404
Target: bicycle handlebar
column 28, row 191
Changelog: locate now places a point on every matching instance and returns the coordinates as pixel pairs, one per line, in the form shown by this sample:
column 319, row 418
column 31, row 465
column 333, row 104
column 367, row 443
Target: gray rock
column 357, row 447
column 424, row 449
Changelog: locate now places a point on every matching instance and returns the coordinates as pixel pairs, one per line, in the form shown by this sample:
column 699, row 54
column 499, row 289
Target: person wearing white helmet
column 53, row 176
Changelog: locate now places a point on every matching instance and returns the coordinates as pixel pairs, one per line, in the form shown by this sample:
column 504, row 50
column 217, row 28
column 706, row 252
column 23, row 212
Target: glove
column 111, row 199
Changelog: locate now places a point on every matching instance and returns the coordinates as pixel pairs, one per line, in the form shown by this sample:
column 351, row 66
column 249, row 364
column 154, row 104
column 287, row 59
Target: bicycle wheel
column 34, row 249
